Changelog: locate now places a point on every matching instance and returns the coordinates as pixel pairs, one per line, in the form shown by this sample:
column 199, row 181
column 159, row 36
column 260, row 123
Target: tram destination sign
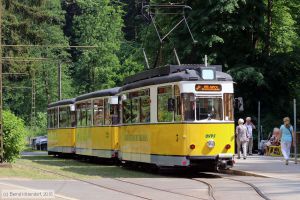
column 208, row 87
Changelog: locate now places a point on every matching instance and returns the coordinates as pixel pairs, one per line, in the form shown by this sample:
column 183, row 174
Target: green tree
column 14, row 136
column 96, row 23
column 37, row 23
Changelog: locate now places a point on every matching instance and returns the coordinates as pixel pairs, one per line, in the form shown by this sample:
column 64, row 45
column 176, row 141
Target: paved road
column 164, row 188
column 283, row 184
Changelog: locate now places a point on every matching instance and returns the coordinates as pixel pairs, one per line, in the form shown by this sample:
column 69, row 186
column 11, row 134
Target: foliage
column 97, row 23
column 14, row 136
column 40, row 127
column 234, row 33
column 256, row 41
column 33, row 23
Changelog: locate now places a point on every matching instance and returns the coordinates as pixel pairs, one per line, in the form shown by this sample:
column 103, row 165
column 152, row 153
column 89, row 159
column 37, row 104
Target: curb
column 241, row 173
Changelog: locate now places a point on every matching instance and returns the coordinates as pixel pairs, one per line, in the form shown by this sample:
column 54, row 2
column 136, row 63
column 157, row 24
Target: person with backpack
column 287, row 136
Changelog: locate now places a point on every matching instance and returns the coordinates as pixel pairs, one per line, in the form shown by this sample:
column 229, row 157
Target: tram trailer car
column 97, row 124
column 178, row 116
column 61, row 127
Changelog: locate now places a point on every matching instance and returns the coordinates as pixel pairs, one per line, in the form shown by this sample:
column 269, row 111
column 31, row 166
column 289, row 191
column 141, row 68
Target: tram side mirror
column 171, row 104
column 239, row 104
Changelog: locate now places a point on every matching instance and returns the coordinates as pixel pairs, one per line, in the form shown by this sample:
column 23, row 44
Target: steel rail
column 84, row 181
column 168, row 191
column 210, row 187
column 256, row 189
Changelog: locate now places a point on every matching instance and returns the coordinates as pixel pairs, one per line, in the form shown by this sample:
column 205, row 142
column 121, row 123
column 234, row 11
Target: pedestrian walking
column 241, row 138
column 250, row 127
column 287, row 136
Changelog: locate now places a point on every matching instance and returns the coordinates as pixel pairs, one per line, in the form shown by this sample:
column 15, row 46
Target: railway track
column 253, row 187
column 210, row 188
column 256, row 189
column 210, row 193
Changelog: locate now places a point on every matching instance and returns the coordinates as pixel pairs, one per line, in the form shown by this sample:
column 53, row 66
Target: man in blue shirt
column 287, row 137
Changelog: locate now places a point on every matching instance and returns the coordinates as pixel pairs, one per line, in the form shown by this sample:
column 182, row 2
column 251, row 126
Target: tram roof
column 172, row 73
column 61, row 103
column 99, row 93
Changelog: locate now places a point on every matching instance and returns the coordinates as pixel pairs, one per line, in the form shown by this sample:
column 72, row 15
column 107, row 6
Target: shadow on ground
column 105, row 169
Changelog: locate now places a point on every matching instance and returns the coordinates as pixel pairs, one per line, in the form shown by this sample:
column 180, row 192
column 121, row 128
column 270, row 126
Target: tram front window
column 209, row 108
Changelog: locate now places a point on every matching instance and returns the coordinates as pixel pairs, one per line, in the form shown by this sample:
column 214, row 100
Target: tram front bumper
column 223, row 160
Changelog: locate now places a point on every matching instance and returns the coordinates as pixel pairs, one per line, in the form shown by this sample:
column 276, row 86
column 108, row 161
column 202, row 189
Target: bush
column 14, row 136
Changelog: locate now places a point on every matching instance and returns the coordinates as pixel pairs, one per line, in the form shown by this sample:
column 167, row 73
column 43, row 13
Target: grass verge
column 25, row 168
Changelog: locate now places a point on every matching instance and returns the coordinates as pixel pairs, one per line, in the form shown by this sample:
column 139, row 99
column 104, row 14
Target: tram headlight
column 228, row 146
column 211, row 144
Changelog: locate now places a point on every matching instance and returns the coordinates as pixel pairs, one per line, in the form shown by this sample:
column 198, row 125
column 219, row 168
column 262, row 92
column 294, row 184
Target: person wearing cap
column 287, row 136
column 250, row 126
column 241, row 138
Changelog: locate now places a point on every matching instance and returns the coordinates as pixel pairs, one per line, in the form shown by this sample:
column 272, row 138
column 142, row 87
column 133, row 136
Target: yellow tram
column 175, row 116
column 61, row 127
column 97, row 119
column 178, row 116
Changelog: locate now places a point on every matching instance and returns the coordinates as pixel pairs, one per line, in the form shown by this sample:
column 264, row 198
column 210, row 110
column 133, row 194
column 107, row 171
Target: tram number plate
column 210, row 136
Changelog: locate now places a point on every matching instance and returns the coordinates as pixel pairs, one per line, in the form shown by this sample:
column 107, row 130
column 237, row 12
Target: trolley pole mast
column 59, row 81
column 1, row 94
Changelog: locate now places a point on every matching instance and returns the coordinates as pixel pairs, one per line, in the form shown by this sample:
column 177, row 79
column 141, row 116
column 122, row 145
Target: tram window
column 73, row 118
column 178, row 109
column 98, row 112
column 145, row 109
column 78, row 114
column 55, row 124
column 209, row 108
column 68, row 117
column 126, row 111
column 52, row 118
column 188, row 102
column 135, row 110
column 107, row 120
column 89, row 113
column 163, row 95
column 81, row 115
column 114, row 113
column 228, row 106
column 62, row 117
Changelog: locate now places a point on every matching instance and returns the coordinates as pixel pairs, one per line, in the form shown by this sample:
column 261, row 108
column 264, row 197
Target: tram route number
column 210, row 136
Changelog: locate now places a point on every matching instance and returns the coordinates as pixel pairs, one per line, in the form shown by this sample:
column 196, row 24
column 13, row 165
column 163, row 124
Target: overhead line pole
column 1, row 106
column 59, row 81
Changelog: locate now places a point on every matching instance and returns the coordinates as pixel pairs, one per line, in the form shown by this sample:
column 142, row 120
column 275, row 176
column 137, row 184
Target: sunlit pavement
column 223, row 188
column 79, row 190
column 273, row 167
